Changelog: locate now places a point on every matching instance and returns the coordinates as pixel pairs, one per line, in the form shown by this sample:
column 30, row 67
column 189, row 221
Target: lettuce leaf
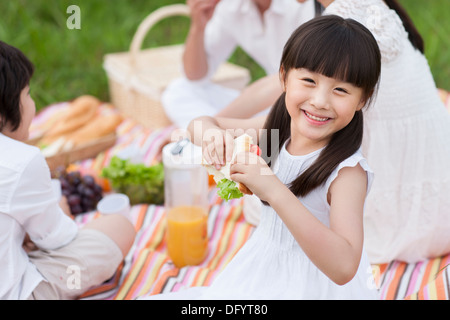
column 228, row 190
column 142, row 184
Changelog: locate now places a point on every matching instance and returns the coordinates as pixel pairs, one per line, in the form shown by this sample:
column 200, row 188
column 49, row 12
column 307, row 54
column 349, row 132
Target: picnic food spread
column 79, row 124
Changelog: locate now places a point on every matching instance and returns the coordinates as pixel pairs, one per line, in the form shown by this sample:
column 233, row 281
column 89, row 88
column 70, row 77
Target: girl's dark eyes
column 308, row 80
column 342, row 90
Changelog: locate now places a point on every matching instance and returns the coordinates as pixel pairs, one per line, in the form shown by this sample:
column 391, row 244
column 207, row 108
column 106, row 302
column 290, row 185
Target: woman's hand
column 251, row 170
column 201, row 11
column 195, row 60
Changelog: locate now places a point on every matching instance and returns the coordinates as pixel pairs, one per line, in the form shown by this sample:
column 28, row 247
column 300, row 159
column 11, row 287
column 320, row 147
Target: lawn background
column 69, row 62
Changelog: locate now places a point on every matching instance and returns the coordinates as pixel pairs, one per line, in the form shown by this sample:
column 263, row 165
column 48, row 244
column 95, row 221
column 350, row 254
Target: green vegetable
column 228, row 190
column 141, row 183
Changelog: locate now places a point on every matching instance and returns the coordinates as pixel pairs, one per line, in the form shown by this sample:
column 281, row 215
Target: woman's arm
column 257, row 97
column 194, row 58
column 335, row 250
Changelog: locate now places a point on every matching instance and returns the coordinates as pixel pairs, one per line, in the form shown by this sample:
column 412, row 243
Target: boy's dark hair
column 336, row 48
column 15, row 74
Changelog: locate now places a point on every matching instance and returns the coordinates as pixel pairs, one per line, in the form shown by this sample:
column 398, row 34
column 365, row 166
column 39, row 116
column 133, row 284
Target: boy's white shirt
column 28, row 205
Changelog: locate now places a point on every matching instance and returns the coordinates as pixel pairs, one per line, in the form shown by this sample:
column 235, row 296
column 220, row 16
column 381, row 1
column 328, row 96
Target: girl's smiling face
column 319, row 106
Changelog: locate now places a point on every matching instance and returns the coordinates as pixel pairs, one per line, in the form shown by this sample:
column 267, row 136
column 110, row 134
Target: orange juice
column 187, row 236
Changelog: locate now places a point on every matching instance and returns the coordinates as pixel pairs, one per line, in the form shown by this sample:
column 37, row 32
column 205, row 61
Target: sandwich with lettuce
column 227, row 188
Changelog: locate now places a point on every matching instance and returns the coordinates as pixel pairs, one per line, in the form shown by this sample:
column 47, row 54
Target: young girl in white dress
column 314, row 180
column 406, row 139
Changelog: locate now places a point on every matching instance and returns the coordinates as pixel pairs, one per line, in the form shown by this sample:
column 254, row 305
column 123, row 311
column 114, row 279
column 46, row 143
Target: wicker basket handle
column 150, row 21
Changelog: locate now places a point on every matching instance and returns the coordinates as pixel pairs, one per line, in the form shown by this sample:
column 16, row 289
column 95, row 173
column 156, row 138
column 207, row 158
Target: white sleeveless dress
column 271, row 265
column 406, row 143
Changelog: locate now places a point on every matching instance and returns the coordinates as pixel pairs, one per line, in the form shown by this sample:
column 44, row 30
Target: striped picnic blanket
column 148, row 270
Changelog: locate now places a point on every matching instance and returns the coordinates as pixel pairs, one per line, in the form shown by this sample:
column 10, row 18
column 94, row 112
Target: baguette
column 81, row 104
column 100, row 126
column 82, row 110
column 76, row 108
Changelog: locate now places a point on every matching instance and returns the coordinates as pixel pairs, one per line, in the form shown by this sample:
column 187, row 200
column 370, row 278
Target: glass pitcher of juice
column 186, row 203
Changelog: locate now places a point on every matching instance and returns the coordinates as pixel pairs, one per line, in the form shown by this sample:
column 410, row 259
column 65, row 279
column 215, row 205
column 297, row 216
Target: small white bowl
column 115, row 203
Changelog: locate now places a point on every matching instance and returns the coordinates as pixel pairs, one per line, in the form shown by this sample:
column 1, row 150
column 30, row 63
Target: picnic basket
column 137, row 78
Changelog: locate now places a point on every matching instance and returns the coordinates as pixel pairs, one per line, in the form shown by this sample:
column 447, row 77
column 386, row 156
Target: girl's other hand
column 217, row 147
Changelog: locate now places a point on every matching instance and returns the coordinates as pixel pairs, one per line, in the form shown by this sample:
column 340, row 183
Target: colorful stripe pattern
column 424, row 280
column 147, row 269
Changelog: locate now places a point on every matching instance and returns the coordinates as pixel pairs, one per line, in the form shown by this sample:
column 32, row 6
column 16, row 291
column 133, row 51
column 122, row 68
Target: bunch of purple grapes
column 81, row 191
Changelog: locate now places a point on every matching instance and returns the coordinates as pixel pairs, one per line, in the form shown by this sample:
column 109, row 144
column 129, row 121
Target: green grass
column 432, row 19
column 69, row 62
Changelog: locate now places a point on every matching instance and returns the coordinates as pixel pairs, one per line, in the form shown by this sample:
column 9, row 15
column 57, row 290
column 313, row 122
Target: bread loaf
column 80, row 112
column 99, row 126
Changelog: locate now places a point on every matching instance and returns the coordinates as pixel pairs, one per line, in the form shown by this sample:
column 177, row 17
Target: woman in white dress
column 309, row 244
column 406, row 140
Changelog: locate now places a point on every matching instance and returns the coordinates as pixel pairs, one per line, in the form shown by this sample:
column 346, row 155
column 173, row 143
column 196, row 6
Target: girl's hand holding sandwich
column 220, row 147
column 217, row 147
column 220, row 152
column 252, row 171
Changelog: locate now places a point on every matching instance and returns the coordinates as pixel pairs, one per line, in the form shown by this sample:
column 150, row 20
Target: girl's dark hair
column 413, row 34
column 337, row 48
column 318, row 8
column 15, row 74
